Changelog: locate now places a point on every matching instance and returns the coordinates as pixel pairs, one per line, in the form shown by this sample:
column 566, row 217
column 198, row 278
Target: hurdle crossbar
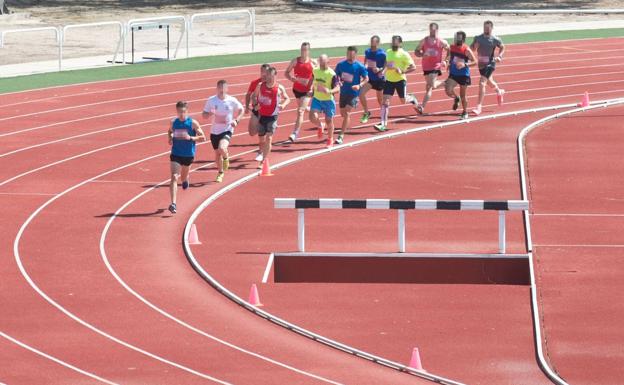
column 401, row 205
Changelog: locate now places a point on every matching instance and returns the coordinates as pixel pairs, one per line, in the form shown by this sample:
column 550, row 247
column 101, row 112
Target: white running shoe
column 259, row 157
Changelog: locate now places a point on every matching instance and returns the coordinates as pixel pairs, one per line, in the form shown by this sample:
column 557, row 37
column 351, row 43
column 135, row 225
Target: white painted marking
column 581, row 245
column 54, row 359
column 27, row 194
column 403, row 255
column 267, row 271
column 575, row 215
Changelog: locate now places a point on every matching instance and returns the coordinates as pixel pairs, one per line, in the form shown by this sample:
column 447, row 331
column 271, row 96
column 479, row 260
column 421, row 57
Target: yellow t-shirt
column 397, row 59
column 323, row 78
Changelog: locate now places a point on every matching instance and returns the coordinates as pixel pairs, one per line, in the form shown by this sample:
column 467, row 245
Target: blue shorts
column 328, row 107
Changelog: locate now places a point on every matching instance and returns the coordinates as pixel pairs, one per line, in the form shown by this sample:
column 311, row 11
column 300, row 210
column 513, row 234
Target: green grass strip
column 22, row 83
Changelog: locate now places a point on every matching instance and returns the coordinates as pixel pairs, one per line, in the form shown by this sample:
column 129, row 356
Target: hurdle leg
column 301, row 230
column 501, row 232
column 401, row 231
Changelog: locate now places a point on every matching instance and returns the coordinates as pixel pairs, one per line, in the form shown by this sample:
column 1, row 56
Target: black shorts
column 437, row 72
column 377, row 85
column 487, row 71
column 348, row 100
column 461, row 80
column 215, row 139
column 267, row 124
column 299, row 94
column 399, row 87
column 181, row 160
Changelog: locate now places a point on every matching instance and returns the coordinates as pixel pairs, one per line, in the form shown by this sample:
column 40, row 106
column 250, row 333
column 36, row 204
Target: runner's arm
column 247, row 101
column 170, row 133
column 284, row 96
column 501, row 52
column 410, row 68
column 206, row 112
column 335, row 85
column 472, row 60
column 198, row 131
column 239, row 115
column 419, row 51
column 289, row 70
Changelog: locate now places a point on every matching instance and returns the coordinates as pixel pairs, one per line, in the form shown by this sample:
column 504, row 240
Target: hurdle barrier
column 401, row 205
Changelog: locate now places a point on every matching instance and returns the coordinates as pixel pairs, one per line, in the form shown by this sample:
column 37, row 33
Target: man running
column 326, row 84
column 353, row 75
column 249, row 100
column 226, row 111
column 272, row 98
column 398, row 64
column 430, row 49
column 461, row 59
column 485, row 46
column 302, row 68
column 183, row 133
column 375, row 60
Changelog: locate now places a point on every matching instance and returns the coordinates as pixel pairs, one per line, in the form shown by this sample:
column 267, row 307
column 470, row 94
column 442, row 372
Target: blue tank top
column 183, row 147
column 458, row 54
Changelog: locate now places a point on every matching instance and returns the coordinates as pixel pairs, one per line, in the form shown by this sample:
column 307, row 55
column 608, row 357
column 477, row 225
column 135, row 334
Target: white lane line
column 164, row 119
column 280, row 64
column 267, row 271
column 123, row 111
column 575, row 215
column 54, row 359
column 126, row 181
column 9, row 180
column 27, row 194
column 579, row 245
column 31, row 282
column 172, row 317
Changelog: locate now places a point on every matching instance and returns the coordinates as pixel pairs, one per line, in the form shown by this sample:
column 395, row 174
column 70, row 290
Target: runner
column 302, row 66
column 398, row 64
column 375, row 60
column 353, row 76
column 226, row 111
column 461, row 59
column 326, row 84
column 183, row 133
column 253, row 119
column 272, row 98
column 430, row 50
column 485, row 46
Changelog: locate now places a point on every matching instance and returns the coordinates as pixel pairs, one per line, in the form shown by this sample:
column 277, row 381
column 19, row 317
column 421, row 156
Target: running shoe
column 340, row 139
column 185, row 185
column 330, row 143
column 500, row 96
column 220, row 177
column 173, row 208
column 226, row 164
column 259, row 157
column 420, row 110
column 477, row 111
column 464, row 115
column 365, row 117
column 412, row 99
column 293, row 137
column 456, row 103
column 380, row 127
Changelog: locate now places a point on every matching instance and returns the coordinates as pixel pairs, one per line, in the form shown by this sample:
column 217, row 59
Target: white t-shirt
column 223, row 111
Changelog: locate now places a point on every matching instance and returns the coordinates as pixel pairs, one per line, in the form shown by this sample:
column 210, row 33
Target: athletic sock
column 384, row 114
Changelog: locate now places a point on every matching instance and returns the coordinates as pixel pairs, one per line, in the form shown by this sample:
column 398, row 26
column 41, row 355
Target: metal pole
column 501, row 232
column 253, row 30
column 187, row 30
column 401, row 231
column 132, row 32
column 168, row 42
column 59, row 36
column 301, row 230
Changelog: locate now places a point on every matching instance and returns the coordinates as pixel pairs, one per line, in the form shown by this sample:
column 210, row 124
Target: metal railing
column 121, row 42
column 249, row 13
column 57, row 33
column 401, row 205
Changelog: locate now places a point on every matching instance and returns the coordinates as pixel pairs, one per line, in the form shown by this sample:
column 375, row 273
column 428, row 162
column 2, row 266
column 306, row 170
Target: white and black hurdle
column 401, row 205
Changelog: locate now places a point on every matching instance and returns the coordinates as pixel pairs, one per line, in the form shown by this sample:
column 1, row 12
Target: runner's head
column 433, row 30
column 182, row 110
column 397, row 42
column 222, row 88
column 323, row 61
column 263, row 71
column 488, row 26
column 305, row 50
column 271, row 73
column 460, row 38
column 374, row 42
column 351, row 53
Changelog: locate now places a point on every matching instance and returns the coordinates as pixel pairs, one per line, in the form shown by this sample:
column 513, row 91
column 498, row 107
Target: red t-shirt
column 303, row 70
column 267, row 100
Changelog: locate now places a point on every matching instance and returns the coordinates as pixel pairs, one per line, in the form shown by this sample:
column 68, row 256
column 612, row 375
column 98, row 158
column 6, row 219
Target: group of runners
column 316, row 84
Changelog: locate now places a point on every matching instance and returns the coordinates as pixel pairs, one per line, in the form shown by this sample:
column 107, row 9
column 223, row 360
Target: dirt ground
column 279, row 24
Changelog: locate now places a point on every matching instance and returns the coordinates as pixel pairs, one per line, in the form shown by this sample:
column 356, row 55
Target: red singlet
column 267, row 100
column 303, row 70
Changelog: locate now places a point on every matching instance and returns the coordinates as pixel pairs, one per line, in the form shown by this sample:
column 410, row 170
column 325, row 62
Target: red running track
column 59, row 247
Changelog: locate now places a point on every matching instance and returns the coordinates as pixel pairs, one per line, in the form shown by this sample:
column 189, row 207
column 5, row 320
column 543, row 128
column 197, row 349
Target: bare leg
column 346, row 119
column 173, row 184
column 482, row 82
column 462, row 95
column 302, row 104
column 365, row 88
column 329, row 122
column 314, row 118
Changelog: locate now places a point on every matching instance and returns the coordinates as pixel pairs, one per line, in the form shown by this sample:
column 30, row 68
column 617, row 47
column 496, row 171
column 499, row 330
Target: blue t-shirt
column 458, row 54
column 183, row 147
column 379, row 57
column 350, row 74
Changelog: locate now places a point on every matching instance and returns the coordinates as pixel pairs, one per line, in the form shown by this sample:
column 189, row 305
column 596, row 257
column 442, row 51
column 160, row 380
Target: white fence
column 186, row 23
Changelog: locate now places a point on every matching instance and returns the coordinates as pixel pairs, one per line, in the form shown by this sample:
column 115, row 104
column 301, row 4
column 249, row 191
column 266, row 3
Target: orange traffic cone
column 193, row 237
column 585, row 101
column 415, row 360
column 254, row 297
column 266, row 168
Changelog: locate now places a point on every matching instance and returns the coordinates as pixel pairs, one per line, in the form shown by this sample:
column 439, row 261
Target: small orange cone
column 193, row 238
column 254, row 298
column 266, row 168
column 585, row 101
column 415, row 360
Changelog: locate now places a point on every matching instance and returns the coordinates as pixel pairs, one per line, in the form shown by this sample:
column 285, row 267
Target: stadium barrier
column 247, row 13
column 121, row 42
column 58, row 33
column 401, row 205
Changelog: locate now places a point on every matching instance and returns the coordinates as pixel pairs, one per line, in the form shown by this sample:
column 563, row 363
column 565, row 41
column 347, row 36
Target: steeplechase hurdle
column 401, row 205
